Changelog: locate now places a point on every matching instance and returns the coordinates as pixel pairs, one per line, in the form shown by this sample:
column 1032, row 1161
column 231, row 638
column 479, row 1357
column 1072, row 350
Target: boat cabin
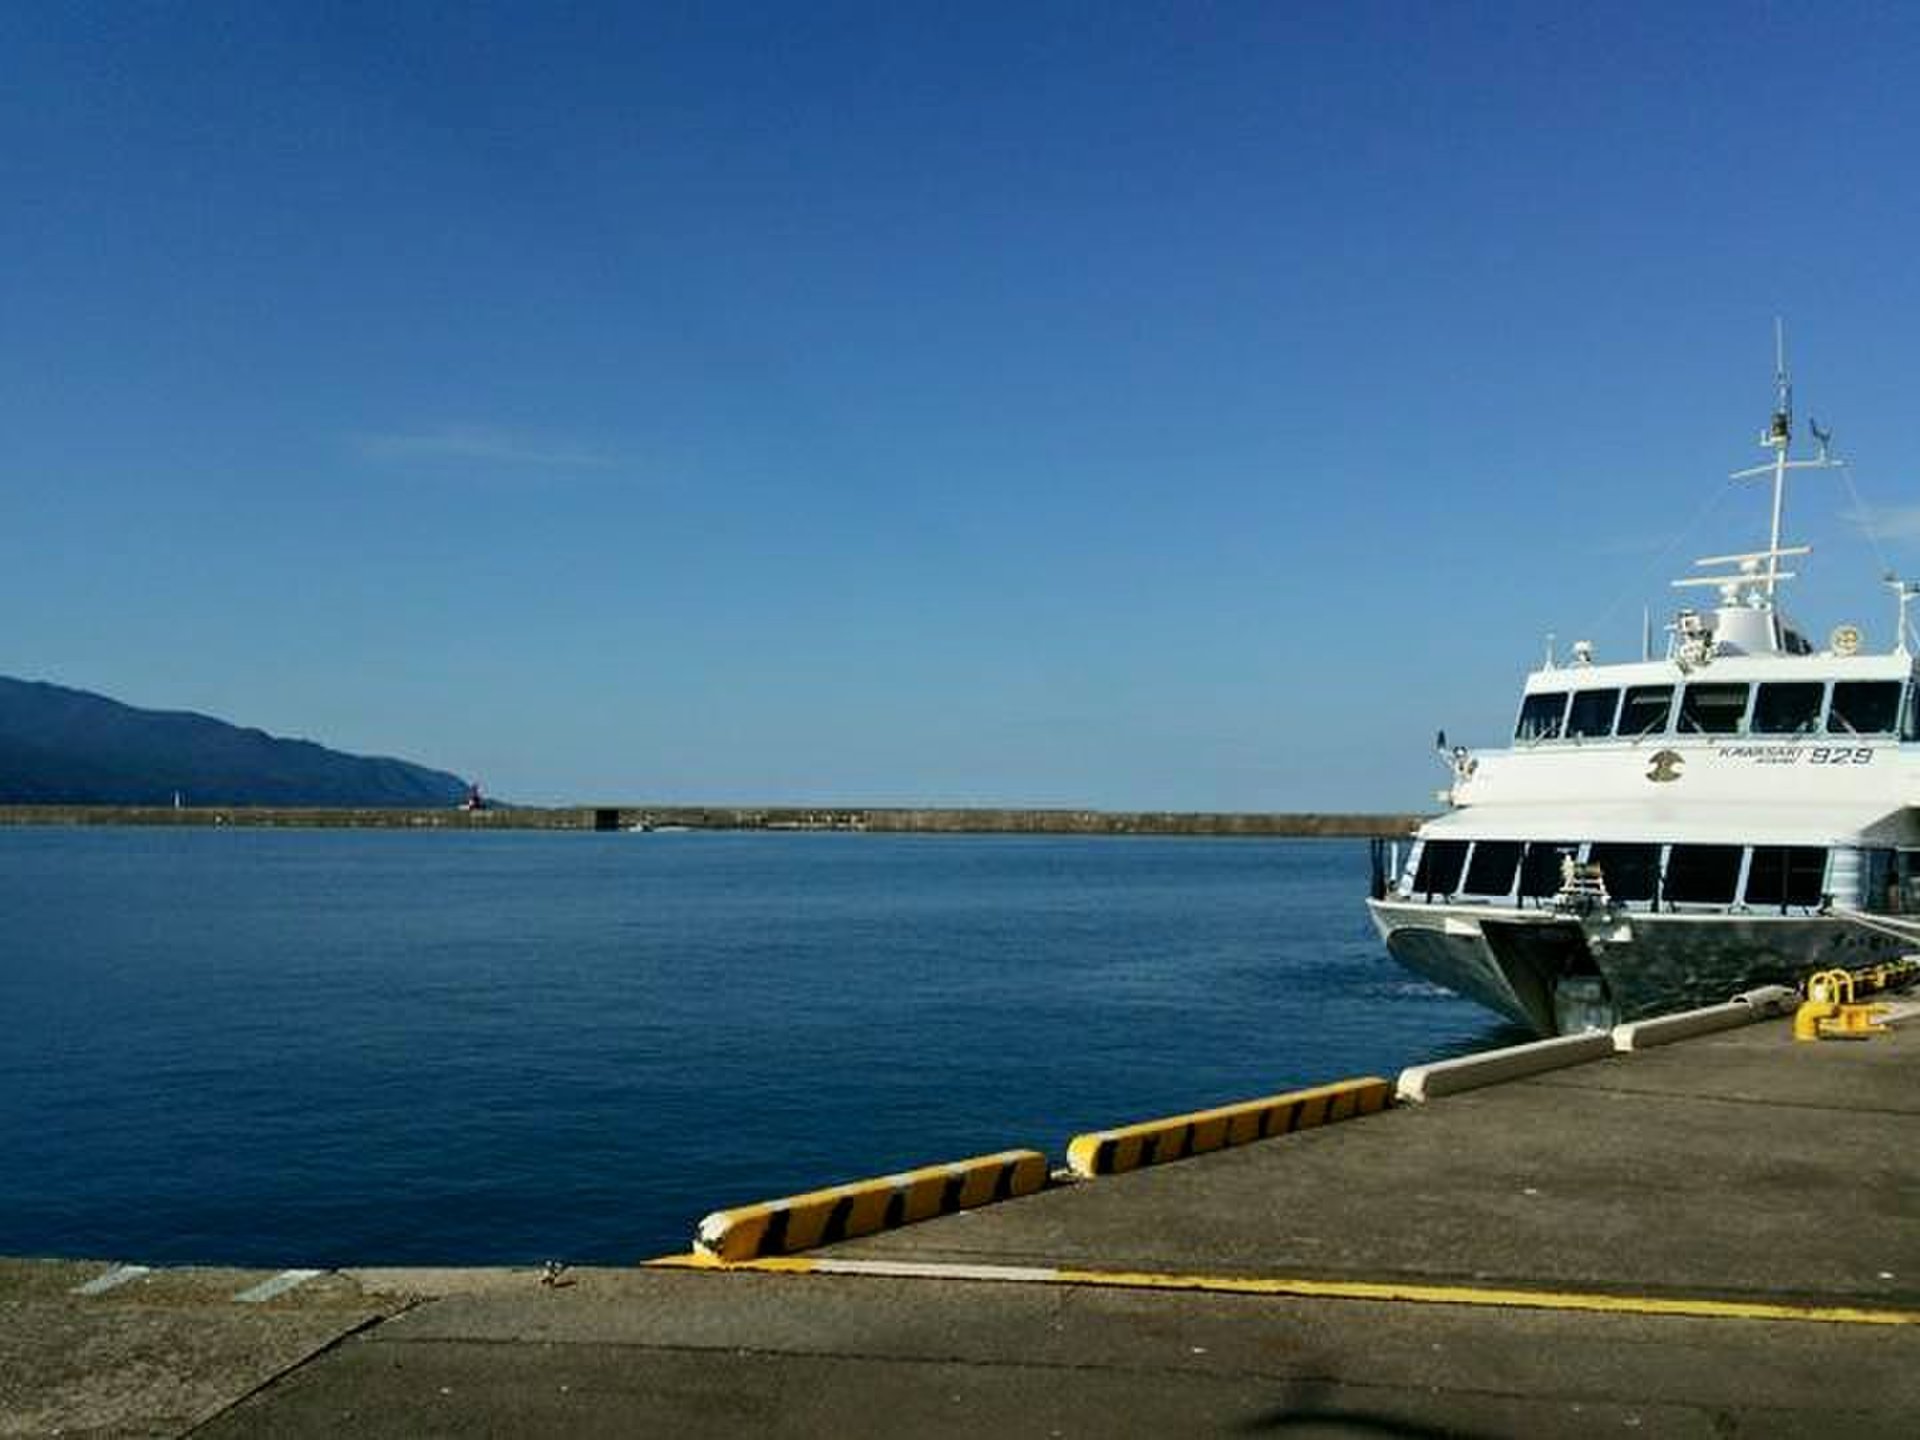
column 1668, row 877
column 1565, row 705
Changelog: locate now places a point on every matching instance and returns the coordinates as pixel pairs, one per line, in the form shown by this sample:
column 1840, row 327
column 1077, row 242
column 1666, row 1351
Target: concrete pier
column 1715, row 1237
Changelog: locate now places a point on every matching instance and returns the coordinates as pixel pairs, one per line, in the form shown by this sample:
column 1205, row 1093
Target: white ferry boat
column 1669, row 831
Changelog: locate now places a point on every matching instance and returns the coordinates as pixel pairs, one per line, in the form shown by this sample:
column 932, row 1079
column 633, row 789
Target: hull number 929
column 1825, row 755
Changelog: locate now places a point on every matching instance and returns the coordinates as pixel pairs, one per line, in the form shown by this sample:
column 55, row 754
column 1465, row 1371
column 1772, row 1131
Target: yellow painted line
column 1175, row 1137
column 1494, row 1297
column 1292, row 1287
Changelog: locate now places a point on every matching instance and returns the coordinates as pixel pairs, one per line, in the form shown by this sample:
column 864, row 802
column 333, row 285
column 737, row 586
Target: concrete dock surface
column 1715, row 1238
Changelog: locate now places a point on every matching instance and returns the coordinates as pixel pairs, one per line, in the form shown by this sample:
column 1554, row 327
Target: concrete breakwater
column 888, row 820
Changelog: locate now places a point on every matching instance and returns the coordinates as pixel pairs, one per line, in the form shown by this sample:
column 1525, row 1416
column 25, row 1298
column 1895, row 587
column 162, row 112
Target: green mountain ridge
column 60, row 746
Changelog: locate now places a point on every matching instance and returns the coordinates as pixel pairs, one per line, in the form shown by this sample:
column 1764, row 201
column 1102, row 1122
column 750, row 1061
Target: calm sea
column 336, row 1047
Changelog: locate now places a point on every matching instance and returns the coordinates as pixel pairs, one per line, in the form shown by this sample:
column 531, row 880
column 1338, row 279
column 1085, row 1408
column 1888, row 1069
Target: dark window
column 1910, row 721
column 1786, row 875
column 1882, row 881
column 1864, row 707
column 1540, row 869
column 1632, row 872
column 1592, row 712
column 1540, row 716
column 1494, row 864
column 1644, row 712
column 1788, row 708
column 1440, row 864
column 1703, row 874
column 1712, row 709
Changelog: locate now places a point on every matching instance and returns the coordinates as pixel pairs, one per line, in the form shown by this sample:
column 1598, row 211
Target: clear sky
column 1185, row 406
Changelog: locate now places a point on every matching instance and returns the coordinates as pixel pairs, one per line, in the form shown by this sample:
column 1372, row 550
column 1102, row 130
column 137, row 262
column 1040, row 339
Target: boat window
column 1644, row 711
column 1540, row 867
column 1882, row 890
column 1712, row 709
column 1910, row 717
column 1439, row 870
column 1631, row 872
column 1540, row 716
column 1592, row 712
column 1786, row 875
column 1788, row 707
column 1702, row 874
column 1494, row 864
column 1864, row 707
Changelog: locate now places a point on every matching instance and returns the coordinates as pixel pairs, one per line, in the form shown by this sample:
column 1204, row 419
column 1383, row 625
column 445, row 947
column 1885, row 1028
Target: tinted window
column 1440, row 864
column 1786, row 875
column 1540, row 867
column 1494, row 864
column 1864, row 707
column 1712, row 709
column 1592, row 712
column 1631, row 871
column 1644, row 711
column 1788, row 708
column 1882, row 886
column 1910, row 727
column 1703, row 874
column 1540, row 716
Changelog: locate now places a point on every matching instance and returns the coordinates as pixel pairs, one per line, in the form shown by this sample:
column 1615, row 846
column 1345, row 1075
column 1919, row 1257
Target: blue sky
column 1186, row 406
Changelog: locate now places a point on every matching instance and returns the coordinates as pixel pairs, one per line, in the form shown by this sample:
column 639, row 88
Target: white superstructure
column 1668, row 831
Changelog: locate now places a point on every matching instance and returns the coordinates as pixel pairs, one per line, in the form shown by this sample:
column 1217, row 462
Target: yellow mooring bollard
column 1830, row 1012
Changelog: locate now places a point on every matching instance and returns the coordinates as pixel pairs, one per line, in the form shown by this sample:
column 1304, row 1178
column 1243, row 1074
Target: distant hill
column 71, row 747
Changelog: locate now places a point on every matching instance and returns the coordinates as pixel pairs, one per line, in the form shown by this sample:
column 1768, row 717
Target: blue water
column 334, row 1047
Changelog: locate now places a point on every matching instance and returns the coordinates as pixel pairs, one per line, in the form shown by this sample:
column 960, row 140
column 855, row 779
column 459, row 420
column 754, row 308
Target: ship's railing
column 1583, row 886
column 1900, row 929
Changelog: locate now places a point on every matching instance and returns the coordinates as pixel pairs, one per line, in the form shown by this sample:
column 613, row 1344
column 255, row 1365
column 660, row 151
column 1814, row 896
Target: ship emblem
column 1666, row 766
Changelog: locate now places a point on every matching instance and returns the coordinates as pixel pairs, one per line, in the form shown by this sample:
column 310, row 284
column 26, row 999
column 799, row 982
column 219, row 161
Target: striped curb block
column 1154, row 1142
column 840, row 1212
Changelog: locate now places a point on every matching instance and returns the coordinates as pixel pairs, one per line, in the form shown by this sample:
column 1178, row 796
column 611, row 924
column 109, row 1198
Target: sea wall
column 710, row 817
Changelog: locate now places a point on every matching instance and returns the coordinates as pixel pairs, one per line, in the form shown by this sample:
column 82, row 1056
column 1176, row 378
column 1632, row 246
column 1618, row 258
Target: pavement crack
column 370, row 1323
column 870, row 1357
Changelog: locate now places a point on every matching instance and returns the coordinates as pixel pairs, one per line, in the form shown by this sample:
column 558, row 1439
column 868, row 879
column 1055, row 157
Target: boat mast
column 1779, row 435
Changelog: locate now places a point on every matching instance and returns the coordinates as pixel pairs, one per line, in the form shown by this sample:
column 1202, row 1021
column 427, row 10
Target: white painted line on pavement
column 278, row 1285
column 113, row 1278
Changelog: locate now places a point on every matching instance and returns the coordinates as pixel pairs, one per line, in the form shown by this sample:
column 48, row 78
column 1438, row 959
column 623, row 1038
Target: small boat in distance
column 1667, row 832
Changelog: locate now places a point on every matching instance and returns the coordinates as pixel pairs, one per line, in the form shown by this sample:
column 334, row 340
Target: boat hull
column 1559, row 973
